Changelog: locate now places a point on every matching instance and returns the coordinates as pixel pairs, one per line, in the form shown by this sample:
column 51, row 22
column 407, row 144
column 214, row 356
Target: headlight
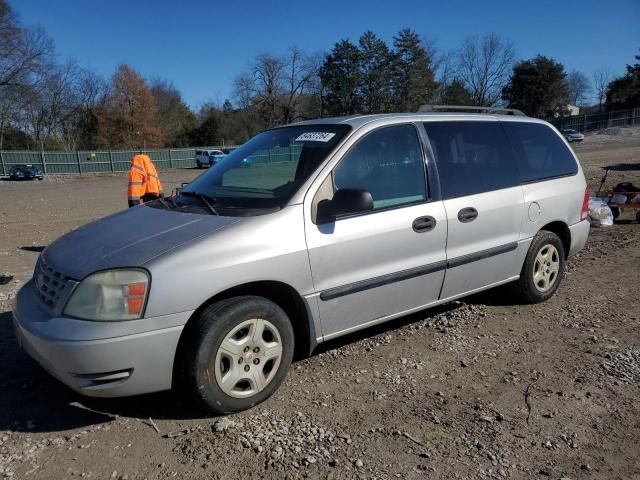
column 111, row 295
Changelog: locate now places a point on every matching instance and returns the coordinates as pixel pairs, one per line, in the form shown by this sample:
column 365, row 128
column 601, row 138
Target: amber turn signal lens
column 135, row 305
column 137, row 289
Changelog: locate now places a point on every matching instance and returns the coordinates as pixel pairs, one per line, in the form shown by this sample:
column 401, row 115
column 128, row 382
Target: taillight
column 585, row 204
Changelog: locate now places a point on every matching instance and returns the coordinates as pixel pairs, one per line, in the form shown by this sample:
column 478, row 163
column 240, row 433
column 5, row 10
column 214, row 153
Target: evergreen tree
column 538, row 87
column 414, row 82
column 342, row 79
column 456, row 94
column 624, row 92
column 377, row 74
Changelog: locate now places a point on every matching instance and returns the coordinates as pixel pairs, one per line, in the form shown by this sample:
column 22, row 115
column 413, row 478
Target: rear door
column 371, row 266
column 483, row 200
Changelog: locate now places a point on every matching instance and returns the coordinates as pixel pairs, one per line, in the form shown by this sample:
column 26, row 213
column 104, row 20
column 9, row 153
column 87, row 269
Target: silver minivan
column 305, row 233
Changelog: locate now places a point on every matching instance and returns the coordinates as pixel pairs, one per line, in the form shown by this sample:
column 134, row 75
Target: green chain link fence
column 60, row 163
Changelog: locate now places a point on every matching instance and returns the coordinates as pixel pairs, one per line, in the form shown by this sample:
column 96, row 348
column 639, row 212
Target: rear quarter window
column 539, row 151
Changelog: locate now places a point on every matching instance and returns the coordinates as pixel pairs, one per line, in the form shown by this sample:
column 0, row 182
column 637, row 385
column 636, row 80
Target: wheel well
column 285, row 296
column 562, row 230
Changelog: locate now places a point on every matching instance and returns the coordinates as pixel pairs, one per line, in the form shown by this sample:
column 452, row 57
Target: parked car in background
column 208, row 157
column 216, row 157
column 26, row 172
column 369, row 218
column 572, row 135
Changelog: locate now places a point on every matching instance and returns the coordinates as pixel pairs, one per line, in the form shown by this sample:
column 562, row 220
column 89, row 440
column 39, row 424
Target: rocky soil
column 479, row 389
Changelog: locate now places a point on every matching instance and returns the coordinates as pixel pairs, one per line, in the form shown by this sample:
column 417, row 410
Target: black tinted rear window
column 472, row 157
column 540, row 152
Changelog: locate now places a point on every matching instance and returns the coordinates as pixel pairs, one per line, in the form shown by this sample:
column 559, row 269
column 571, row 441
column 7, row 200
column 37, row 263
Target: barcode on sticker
column 315, row 137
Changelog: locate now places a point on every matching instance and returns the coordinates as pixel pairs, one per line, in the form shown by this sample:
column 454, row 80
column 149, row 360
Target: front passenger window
column 387, row 163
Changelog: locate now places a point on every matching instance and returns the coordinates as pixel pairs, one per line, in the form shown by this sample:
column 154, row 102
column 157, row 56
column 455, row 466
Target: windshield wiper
column 204, row 199
column 166, row 204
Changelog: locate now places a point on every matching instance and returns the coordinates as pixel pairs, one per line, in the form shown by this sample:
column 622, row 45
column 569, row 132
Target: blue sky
column 202, row 45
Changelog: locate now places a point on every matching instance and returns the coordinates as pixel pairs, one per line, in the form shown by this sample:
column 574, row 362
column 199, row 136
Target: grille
column 49, row 284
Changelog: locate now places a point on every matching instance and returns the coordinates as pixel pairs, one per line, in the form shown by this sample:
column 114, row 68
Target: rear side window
column 539, row 151
column 472, row 157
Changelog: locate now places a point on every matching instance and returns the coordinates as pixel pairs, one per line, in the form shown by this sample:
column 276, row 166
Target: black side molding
column 481, row 255
column 414, row 272
column 382, row 280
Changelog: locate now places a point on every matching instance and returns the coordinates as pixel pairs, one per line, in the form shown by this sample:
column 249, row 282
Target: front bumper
column 99, row 359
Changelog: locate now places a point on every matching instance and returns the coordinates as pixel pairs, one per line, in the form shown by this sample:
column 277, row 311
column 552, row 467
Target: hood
column 128, row 239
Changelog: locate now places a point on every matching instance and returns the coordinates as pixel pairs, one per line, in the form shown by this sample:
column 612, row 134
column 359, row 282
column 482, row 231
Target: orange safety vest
column 143, row 178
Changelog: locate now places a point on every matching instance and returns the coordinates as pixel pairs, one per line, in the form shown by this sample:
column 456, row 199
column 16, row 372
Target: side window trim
column 425, row 172
column 434, row 193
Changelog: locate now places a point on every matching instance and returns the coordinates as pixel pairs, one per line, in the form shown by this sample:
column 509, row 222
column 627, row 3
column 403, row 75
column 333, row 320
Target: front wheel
column 542, row 270
column 239, row 353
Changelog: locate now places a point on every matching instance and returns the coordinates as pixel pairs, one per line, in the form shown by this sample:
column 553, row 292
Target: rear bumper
column 99, row 359
column 579, row 234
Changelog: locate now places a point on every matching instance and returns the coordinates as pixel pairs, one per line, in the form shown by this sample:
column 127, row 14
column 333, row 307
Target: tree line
column 52, row 105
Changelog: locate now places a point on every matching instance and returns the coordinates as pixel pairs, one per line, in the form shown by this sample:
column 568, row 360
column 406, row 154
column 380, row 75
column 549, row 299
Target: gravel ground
column 477, row 389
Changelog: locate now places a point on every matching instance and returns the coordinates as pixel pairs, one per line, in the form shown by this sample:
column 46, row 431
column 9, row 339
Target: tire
column 638, row 216
column 538, row 284
column 227, row 370
column 198, row 164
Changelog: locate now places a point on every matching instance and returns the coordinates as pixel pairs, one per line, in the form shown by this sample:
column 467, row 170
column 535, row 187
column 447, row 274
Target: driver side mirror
column 345, row 201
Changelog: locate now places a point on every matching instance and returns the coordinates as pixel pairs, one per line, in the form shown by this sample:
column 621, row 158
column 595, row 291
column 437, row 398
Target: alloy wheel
column 546, row 268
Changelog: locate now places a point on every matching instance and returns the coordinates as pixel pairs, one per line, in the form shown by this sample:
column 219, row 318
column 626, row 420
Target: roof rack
column 470, row 109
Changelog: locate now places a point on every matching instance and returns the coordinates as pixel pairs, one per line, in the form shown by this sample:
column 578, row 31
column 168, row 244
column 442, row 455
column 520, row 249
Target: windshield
column 267, row 170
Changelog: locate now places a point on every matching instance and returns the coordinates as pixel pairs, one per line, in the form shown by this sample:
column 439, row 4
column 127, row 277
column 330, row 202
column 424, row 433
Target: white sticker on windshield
column 315, row 137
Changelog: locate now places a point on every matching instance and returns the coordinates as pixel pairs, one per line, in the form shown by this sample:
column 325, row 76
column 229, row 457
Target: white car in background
column 208, row 157
column 572, row 135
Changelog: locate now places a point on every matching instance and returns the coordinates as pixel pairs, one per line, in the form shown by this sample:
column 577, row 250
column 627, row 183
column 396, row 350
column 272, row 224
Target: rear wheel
column 198, row 164
column 542, row 270
column 239, row 353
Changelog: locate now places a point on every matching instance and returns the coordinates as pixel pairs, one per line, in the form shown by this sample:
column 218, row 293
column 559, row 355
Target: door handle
column 467, row 215
column 424, row 224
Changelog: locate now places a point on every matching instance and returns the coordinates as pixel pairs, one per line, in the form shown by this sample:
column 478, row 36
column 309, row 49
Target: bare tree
column 484, row 65
column 269, row 74
column 55, row 104
column 601, row 79
column 445, row 74
column 579, row 87
column 174, row 118
column 23, row 53
column 244, row 90
column 315, row 87
column 300, row 70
